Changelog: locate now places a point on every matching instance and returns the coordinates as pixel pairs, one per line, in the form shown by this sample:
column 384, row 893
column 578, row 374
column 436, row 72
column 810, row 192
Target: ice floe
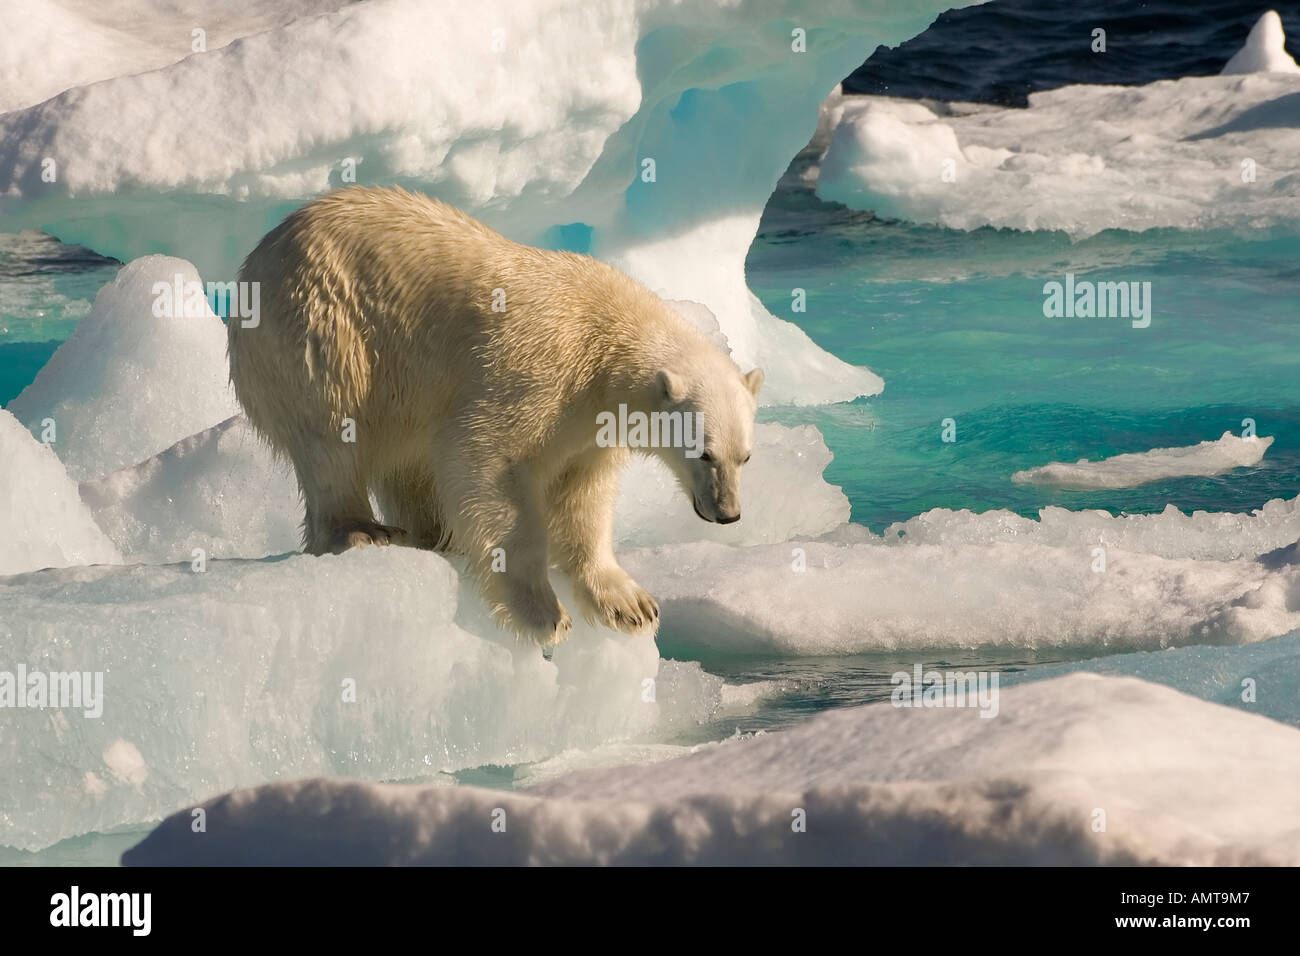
column 1139, row 468
column 1077, row 770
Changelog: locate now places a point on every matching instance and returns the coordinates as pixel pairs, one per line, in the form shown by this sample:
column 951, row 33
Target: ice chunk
column 220, row 491
column 814, row 598
column 714, row 97
column 1264, row 50
column 43, row 523
column 1183, row 782
column 129, row 382
column 1193, row 153
column 1140, row 468
column 244, row 673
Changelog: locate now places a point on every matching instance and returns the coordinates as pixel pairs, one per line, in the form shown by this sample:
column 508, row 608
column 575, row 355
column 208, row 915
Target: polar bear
column 404, row 348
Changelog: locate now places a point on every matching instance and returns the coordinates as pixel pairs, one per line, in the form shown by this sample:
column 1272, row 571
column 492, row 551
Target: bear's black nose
column 728, row 519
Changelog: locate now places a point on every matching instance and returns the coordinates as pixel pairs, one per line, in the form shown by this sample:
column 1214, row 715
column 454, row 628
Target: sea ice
column 1140, row 468
column 653, row 128
column 1191, row 153
column 1202, row 535
column 1261, row 678
column 1077, row 770
column 241, row 674
column 822, row 597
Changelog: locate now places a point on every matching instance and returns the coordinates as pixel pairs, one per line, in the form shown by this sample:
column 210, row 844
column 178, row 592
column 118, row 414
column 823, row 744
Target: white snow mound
column 1074, row 771
column 131, row 379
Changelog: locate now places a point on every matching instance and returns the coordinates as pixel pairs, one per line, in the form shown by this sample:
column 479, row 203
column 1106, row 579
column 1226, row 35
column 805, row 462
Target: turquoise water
column 45, row 289
column 954, row 324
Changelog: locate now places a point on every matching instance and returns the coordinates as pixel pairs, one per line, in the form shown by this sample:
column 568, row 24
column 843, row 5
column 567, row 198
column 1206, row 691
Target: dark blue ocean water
column 1000, row 52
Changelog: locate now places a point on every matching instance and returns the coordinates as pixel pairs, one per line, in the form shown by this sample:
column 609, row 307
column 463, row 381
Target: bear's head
column 717, row 405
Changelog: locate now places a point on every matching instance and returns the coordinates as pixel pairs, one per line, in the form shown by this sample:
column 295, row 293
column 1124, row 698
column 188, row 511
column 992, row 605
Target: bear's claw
column 363, row 535
column 622, row 605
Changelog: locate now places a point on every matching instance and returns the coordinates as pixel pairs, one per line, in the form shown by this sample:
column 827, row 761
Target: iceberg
column 1080, row 770
column 649, row 134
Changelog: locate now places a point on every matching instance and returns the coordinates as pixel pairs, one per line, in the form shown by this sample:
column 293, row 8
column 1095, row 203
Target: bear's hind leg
column 580, row 510
column 338, row 514
column 408, row 498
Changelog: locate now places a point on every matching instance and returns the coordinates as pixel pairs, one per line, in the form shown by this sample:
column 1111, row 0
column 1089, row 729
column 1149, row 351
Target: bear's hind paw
column 539, row 616
column 363, row 535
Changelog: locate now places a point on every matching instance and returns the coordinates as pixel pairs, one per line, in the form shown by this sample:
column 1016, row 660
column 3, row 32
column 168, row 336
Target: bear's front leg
column 581, row 519
column 502, row 526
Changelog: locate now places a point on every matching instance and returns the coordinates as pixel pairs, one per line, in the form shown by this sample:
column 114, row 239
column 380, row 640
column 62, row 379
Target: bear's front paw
column 535, row 612
column 618, row 602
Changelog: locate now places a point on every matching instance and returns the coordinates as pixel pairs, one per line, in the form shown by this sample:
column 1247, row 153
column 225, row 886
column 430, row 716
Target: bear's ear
column 670, row 386
column 754, row 381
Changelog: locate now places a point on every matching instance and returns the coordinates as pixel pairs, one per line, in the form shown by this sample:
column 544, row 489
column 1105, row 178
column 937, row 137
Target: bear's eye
column 747, row 457
column 705, row 456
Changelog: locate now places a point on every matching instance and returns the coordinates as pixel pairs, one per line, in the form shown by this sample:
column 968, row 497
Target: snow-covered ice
column 128, row 383
column 49, row 46
column 1191, row 153
column 1179, row 781
column 830, row 597
column 220, row 491
column 1202, row 535
column 234, row 671
column 1139, row 468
